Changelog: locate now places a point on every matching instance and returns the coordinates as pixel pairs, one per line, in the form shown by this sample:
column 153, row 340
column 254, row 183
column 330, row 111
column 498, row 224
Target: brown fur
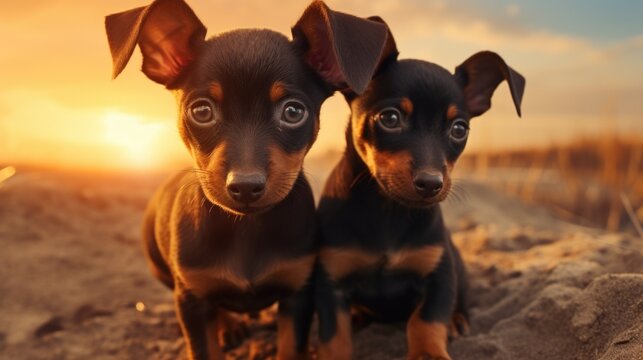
column 277, row 91
column 407, row 105
column 247, row 185
column 393, row 171
column 426, row 338
column 452, row 112
column 459, row 325
column 340, row 347
column 339, row 262
column 423, row 260
column 286, row 343
column 217, row 92
column 282, row 174
column 213, row 332
column 291, row 273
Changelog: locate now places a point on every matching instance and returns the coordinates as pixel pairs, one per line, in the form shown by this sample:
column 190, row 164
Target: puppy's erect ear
column 344, row 50
column 480, row 75
column 168, row 33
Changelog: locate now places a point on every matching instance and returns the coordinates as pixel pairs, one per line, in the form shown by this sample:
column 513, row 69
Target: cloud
column 512, row 10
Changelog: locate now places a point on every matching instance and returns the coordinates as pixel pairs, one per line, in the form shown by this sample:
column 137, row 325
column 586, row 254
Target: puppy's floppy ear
column 390, row 52
column 168, row 33
column 480, row 75
column 344, row 50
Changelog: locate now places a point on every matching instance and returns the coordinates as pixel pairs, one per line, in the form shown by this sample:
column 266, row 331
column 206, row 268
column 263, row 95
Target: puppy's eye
column 202, row 112
column 459, row 130
column 390, row 119
column 293, row 114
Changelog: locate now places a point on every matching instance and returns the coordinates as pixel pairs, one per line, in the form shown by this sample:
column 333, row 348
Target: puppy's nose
column 246, row 187
column 428, row 184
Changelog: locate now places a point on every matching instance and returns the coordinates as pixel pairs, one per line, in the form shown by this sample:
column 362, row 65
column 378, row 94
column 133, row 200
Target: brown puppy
column 385, row 249
column 237, row 233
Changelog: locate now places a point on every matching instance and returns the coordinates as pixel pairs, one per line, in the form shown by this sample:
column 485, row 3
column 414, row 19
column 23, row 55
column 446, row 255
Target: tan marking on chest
column 340, row 346
column 291, row 273
column 422, row 260
column 339, row 262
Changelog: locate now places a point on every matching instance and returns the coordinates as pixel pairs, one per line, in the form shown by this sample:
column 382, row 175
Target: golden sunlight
column 136, row 138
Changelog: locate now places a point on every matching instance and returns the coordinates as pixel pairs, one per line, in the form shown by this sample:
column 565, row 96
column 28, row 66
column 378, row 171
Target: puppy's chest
column 248, row 276
column 341, row 262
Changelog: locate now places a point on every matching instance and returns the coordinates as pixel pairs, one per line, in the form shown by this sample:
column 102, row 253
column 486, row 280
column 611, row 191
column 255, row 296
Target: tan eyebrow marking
column 452, row 112
column 277, row 91
column 407, row 105
column 217, row 91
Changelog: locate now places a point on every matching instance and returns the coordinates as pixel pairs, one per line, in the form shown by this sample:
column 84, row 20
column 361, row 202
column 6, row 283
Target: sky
column 58, row 105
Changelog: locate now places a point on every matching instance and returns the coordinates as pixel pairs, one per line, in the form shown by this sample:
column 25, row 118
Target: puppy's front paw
column 232, row 330
column 262, row 351
column 459, row 326
column 430, row 357
column 427, row 340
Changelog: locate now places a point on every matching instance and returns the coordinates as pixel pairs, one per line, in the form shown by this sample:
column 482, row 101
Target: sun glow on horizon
column 137, row 139
column 59, row 107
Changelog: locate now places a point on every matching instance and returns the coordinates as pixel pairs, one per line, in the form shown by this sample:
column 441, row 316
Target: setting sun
column 136, row 139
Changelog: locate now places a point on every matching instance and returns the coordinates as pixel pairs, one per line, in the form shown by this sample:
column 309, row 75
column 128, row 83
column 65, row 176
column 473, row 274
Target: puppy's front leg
column 293, row 324
column 333, row 311
column 199, row 329
column 427, row 328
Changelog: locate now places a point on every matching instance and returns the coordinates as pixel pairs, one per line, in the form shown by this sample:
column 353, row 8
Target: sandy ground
column 75, row 284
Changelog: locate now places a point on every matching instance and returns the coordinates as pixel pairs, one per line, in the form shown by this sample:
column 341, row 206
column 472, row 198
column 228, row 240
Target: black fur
column 372, row 206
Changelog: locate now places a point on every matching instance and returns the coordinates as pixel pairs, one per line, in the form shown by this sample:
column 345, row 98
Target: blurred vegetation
column 594, row 182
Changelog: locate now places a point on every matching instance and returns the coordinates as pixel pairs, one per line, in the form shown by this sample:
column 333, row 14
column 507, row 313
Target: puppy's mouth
column 225, row 202
column 406, row 196
column 237, row 208
column 249, row 209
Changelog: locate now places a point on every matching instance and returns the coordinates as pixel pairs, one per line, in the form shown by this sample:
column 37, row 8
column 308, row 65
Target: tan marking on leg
column 339, row 262
column 340, row 346
column 452, row 112
column 277, row 91
column 216, row 91
column 286, row 340
column 407, row 105
column 426, row 338
column 422, row 260
column 214, row 350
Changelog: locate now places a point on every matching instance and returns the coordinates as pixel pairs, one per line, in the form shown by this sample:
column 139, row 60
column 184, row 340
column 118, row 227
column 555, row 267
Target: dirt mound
column 75, row 284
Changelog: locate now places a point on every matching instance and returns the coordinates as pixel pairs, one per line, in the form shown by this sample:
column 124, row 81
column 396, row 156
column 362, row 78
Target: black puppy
column 237, row 233
column 386, row 252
